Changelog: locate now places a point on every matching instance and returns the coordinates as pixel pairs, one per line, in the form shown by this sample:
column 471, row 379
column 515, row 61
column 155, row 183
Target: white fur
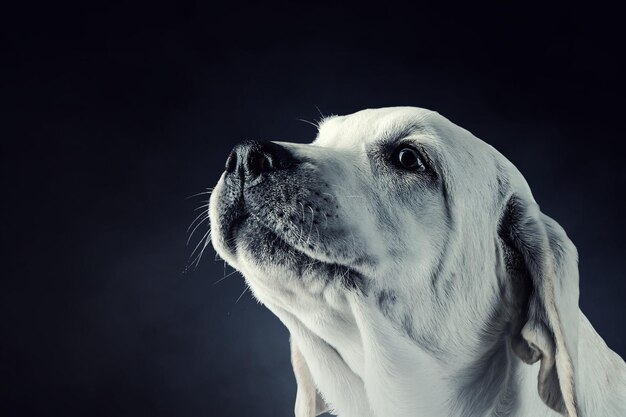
column 442, row 274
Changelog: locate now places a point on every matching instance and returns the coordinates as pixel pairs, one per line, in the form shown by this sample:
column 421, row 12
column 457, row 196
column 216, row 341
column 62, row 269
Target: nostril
column 258, row 163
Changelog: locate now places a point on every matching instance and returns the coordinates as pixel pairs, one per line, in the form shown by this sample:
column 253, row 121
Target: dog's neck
column 495, row 382
column 394, row 373
column 499, row 384
column 489, row 384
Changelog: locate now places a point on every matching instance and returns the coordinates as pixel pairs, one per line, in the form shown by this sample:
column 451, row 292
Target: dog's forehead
column 372, row 125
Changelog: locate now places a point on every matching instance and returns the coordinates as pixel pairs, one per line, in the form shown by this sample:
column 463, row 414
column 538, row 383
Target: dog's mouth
column 230, row 237
column 266, row 245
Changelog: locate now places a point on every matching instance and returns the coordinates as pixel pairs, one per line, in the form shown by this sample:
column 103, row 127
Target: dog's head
column 403, row 208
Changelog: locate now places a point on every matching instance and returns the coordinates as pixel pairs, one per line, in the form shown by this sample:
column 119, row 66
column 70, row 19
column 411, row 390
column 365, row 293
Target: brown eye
column 409, row 158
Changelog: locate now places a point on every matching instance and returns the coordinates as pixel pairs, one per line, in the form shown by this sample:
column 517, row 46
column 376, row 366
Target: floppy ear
column 542, row 264
column 308, row 401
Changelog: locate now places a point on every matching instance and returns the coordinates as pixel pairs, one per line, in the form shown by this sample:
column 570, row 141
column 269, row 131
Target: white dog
column 415, row 272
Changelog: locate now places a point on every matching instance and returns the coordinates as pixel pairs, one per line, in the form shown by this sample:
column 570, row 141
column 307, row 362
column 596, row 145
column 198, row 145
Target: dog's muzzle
column 276, row 208
column 249, row 171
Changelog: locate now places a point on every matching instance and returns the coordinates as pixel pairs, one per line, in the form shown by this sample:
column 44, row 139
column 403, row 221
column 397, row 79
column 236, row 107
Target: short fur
column 442, row 292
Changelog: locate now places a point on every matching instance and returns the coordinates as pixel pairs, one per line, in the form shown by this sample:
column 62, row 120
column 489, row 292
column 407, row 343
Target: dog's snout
column 251, row 159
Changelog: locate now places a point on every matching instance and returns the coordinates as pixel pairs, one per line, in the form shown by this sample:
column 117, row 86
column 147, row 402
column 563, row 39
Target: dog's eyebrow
column 398, row 132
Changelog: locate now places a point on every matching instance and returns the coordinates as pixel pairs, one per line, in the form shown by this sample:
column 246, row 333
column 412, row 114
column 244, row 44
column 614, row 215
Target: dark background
column 112, row 115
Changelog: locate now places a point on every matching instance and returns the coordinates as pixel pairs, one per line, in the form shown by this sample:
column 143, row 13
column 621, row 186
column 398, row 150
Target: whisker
column 311, row 123
column 196, row 260
column 301, row 235
column 319, row 111
column 195, row 228
column 202, row 206
column 201, row 241
column 207, row 239
column 345, row 195
column 195, row 220
column 311, row 227
column 209, row 191
column 225, row 276
column 241, row 295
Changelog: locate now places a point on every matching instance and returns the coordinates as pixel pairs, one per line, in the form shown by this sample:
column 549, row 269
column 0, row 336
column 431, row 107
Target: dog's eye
column 409, row 158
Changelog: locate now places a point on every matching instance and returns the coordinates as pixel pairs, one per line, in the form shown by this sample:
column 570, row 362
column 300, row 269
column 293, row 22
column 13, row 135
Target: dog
column 415, row 273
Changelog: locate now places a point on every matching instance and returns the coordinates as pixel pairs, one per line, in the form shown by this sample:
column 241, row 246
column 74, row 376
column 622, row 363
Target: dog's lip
column 239, row 215
column 346, row 271
column 232, row 228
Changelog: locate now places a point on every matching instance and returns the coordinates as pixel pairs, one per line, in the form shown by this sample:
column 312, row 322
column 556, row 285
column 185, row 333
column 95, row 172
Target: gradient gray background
column 113, row 115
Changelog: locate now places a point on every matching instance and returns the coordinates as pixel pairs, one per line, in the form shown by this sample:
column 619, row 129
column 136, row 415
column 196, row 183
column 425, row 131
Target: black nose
column 251, row 159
